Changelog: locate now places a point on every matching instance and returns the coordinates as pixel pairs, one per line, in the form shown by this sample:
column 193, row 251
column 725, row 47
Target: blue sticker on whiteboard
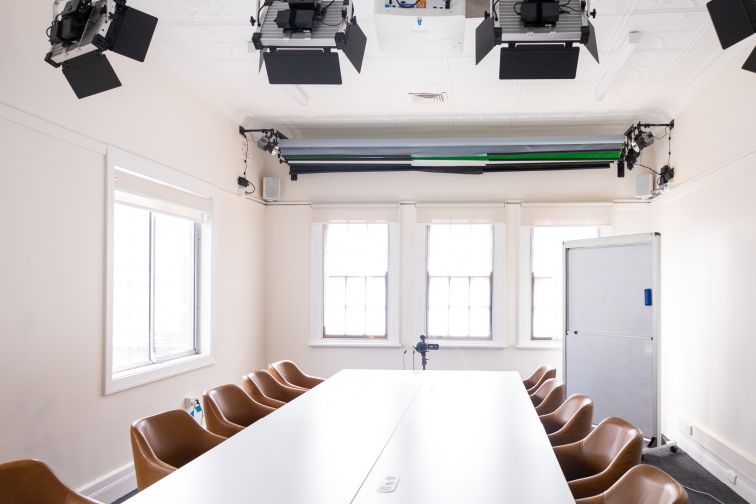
column 649, row 297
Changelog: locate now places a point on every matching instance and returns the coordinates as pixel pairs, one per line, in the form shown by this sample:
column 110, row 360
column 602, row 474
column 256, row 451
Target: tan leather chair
column 228, row 410
column 592, row 465
column 162, row 443
column 643, row 484
column 257, row 395
column 289, row 373
column 33, row 482
column 273, row 388
column 539, row 376
column 548, row 397
column 570, row 422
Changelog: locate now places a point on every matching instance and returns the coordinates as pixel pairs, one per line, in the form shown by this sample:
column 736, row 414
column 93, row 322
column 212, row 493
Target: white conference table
column 448, row 436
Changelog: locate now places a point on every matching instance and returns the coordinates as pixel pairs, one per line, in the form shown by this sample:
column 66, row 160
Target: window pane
column 480, row 322
column 356, row 271
column 174, row 275
column 335, row 291
column 355, row 320
column 131, row 287
column 458, row 321
column 480, row 292
column 459, row 292
column 438, row 321
column 375, row 321
column 438, row 291
column 438, row 249
column 335, row 320
column 355, row 291
column 460, row 266
column 376, row 292
column 547, row 265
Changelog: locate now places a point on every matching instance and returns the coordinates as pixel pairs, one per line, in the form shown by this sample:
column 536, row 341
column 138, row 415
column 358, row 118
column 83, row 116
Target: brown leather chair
column 595, row 463
column 162, row 443
column 257, row 395
column 548, row 397
column 273, row 388
column 228, row 410
column 570, row 422
column 33, row 482
column 539, row 376
column 289, row 373
column 643, row 484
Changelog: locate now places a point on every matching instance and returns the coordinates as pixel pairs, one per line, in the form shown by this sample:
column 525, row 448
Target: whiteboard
column 611, row 333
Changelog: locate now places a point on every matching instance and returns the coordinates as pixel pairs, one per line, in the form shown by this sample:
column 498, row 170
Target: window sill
column 486, row 345
column 540, row 345
column 155, row 372
column 354, row 343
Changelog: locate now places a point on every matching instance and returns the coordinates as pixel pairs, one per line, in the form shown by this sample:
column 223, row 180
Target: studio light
column 637, row 138
column 734, row 20
column 541, row 37
column 298, row 40
column 84, row 29
column 643, row 139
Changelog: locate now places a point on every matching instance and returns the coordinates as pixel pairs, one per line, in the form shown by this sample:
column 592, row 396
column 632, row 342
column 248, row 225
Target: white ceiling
column 205, row 44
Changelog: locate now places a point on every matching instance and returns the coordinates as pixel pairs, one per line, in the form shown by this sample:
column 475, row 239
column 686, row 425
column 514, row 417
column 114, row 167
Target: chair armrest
column 571, row 460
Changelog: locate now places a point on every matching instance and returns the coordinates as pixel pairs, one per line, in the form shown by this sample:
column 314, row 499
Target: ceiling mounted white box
column 420, row 27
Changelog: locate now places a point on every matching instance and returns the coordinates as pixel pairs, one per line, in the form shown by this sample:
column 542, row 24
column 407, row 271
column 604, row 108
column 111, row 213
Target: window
column 155, row 281
column 354, row 283
column 547, row 277
column 159, row 272
column 356, row 261
column 460, row 264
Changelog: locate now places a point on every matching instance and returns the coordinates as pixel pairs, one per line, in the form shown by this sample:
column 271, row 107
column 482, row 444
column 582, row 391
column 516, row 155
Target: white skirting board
column 112, row 486
column 710, row 453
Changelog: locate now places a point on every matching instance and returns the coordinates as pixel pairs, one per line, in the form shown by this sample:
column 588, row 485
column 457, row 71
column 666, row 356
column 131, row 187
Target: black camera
column 424, row 347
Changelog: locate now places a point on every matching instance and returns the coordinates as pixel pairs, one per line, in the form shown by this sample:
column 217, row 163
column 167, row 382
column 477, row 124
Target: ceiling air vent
column 428, row 97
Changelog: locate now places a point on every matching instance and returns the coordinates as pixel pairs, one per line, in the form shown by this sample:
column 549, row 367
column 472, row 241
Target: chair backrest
column 228, row 409
column 570, row 422
column 289, row 373
column 613, row 441
column 553, row 400
column 643, row 484
column 540, row 375
column 253, row 391
column 33, row 482
column 273, row 388
column 574, row 405
column 544, row 390
column 165, row 442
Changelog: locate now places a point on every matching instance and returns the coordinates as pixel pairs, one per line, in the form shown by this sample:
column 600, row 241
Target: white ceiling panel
column 205, row 44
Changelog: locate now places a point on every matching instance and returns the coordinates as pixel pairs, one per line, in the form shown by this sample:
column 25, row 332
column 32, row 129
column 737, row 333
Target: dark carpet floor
column 692, row 475
column 681, row 467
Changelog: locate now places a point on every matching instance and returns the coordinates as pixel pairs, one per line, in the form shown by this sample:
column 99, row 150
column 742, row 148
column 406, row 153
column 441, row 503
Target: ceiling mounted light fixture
column 84, row 29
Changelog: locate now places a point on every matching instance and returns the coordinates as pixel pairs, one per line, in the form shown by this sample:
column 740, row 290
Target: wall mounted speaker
column 644, row 186
column 271, row 188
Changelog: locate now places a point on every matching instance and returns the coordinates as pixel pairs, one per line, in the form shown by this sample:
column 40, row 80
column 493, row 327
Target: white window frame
column 525, row 291
column 498, row 289
column 317, row 264
column 205, row 356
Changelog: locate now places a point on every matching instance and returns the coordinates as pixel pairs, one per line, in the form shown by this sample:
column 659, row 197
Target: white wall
column 52, row 249
column 709, row 274
column 287, row 245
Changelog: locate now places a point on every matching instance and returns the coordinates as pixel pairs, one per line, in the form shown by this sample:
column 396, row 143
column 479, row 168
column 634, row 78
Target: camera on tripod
column 423, row 348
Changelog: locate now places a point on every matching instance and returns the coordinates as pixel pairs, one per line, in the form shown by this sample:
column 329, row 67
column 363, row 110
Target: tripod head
column 423, row 348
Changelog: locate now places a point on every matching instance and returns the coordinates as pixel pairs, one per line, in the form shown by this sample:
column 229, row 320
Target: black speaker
column 734, row 20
